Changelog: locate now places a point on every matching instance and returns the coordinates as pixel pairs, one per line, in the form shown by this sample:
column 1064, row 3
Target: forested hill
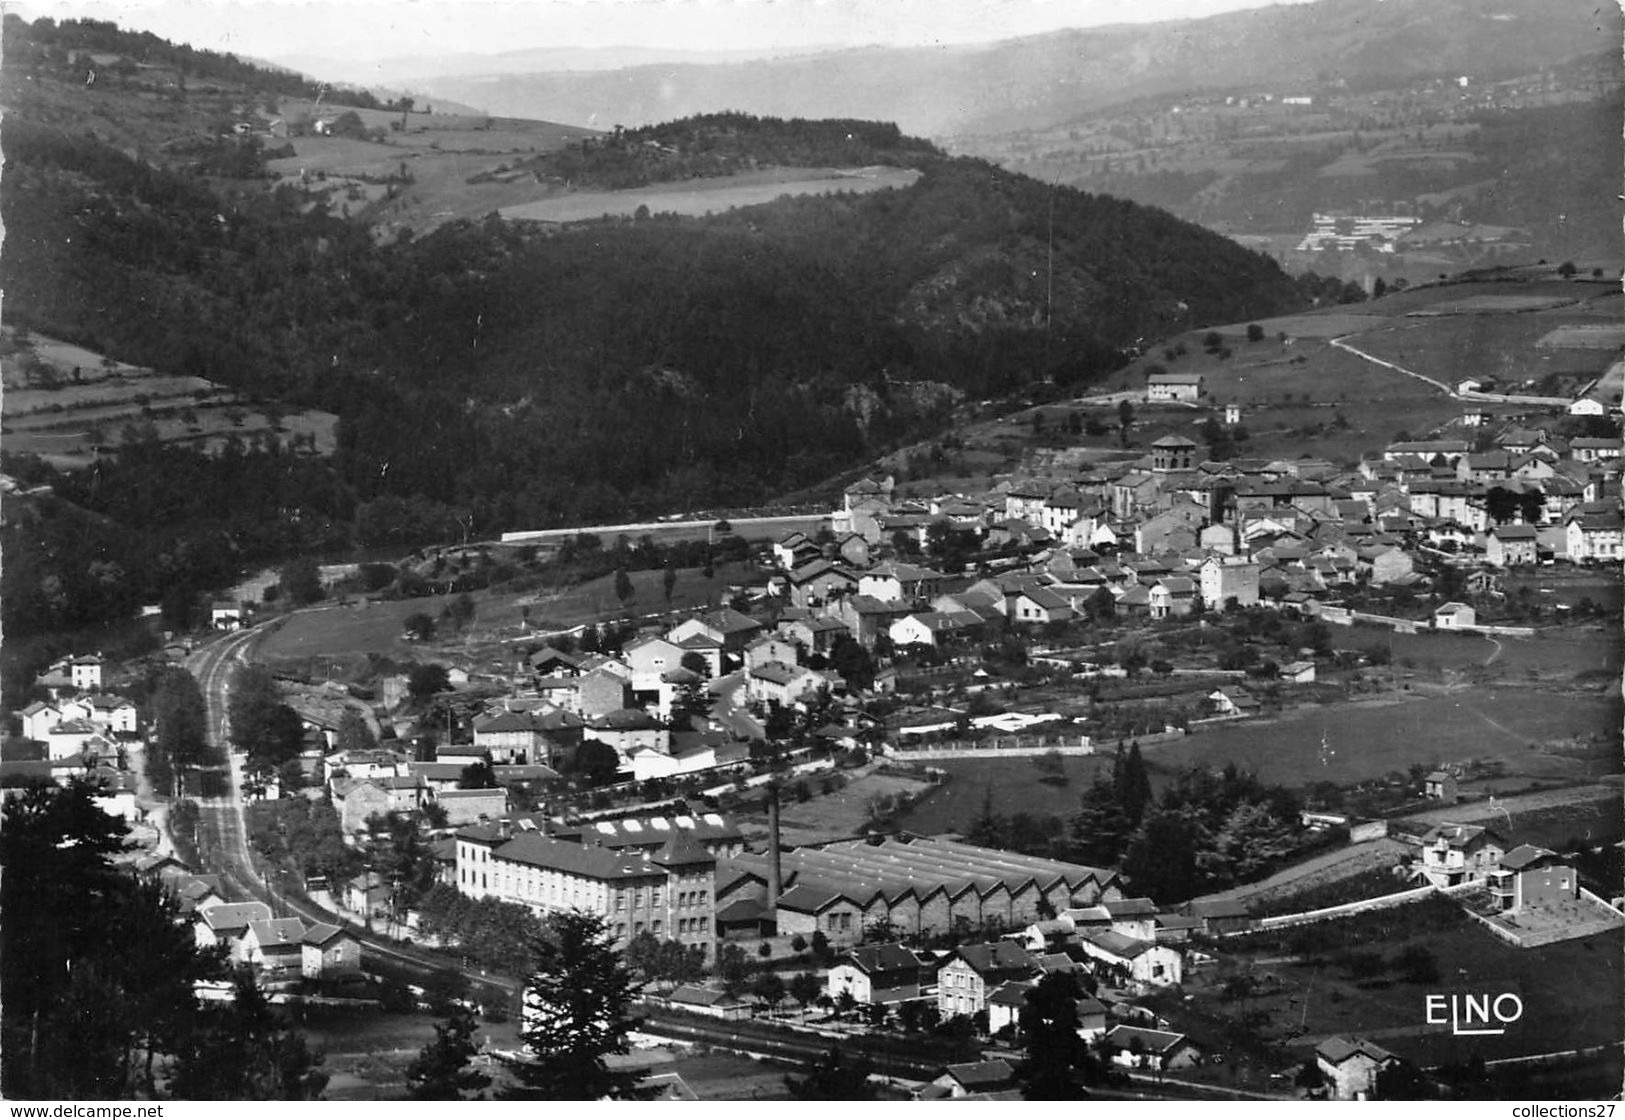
column 495, row 375
column 716, row 144
column 98, row 46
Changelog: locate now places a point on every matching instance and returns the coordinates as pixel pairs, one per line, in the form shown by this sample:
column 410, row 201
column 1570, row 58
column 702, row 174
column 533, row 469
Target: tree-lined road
column 222, row 828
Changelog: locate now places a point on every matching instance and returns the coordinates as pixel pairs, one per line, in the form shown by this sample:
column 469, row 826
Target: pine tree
column 1136, row 788
column 575, row 1014
column 624, row 591
column 1049, row 1027
column 440, row 1072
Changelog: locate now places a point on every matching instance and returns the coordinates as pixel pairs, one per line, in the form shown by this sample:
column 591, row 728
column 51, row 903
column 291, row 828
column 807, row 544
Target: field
column 438, row 152
column 1552, row 654
column 1012, row 785
column 1502, row 347
column 1373, row 738
column 1570, row 990
column 1363, row 740
column 61, row 402
column 839, row 814
column 699, row 197
column 374, row 626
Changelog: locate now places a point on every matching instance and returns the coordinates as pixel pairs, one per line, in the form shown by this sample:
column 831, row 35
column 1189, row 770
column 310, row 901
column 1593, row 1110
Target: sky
column 362, row 31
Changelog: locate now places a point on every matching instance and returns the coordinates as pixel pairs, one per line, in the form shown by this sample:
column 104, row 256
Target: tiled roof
column 1340, row 1049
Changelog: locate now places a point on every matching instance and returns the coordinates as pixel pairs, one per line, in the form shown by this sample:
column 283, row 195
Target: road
column 222, row 831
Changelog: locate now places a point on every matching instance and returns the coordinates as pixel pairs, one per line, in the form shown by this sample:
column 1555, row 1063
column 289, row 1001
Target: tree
column 833, row 1079
column 596, row 762
column 244, row 1051
column 98, row 968
column 301, row 582
column 264, row 728
column 1255, row 332
column 427, row 679
column 624, row 591
column 1049, row 1025
column 1161, row 859
column 668, row 580
column 460, row 612
column 180, row 733
column 576, row 1002
column 769, row 988
column 478, row 775
column 805, row 987
column 418, row 627
column 441, row 1071
column 733, row 969
column 1125, row 419
column 353, row 733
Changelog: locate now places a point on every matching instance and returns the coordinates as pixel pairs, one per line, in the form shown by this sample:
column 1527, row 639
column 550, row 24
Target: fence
column 1326, row 914
column 1343, row 616
column 1015, row 746
column 1020, row 746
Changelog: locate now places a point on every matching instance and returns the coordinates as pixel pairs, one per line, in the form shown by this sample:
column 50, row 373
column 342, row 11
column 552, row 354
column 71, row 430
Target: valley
column 1081, row 567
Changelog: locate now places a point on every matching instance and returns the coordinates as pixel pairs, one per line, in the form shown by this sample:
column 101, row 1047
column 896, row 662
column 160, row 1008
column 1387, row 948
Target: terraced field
column 63, row 402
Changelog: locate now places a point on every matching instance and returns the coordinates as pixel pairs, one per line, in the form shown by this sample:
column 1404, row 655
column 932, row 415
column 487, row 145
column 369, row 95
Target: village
column 636, row 769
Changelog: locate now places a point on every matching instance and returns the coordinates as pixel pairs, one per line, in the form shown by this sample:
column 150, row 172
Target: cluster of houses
column 86, row 732
column 1162, row 534
column 277, row 949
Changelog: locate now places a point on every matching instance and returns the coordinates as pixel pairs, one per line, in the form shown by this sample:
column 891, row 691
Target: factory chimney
column 775, row 879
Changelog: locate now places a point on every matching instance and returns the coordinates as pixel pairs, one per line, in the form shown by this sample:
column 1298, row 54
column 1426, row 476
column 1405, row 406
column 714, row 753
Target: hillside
column 1523, row 167
column 1045, row 80
column 491, row 374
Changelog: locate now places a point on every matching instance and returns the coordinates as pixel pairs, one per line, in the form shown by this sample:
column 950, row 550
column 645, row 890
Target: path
column 1440, row 385
column 1469, row 395
column 1343, row 863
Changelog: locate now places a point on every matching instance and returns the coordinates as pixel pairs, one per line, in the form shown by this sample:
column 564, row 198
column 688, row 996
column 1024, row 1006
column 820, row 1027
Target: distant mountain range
column 1048, row 79
column 414, row 70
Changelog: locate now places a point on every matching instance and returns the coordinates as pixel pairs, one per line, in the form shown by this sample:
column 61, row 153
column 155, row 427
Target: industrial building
column 920, row 886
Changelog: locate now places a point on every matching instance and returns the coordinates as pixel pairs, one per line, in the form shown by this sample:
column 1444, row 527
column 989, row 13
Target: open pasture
column 1330, row 324
column 362, row 625
column 1552, row 653
column 1496, row 305
column 1569, row 989
column 1584, row 336
column 1504, row 347
column 1373, row 738
column 699, row 197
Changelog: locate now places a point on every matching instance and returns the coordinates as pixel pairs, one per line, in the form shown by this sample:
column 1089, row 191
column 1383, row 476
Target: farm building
column 925, row 886
column 1455, row 616
column 1173, row 387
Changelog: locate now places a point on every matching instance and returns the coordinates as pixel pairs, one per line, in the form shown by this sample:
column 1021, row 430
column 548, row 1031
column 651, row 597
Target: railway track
column 222, row 829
